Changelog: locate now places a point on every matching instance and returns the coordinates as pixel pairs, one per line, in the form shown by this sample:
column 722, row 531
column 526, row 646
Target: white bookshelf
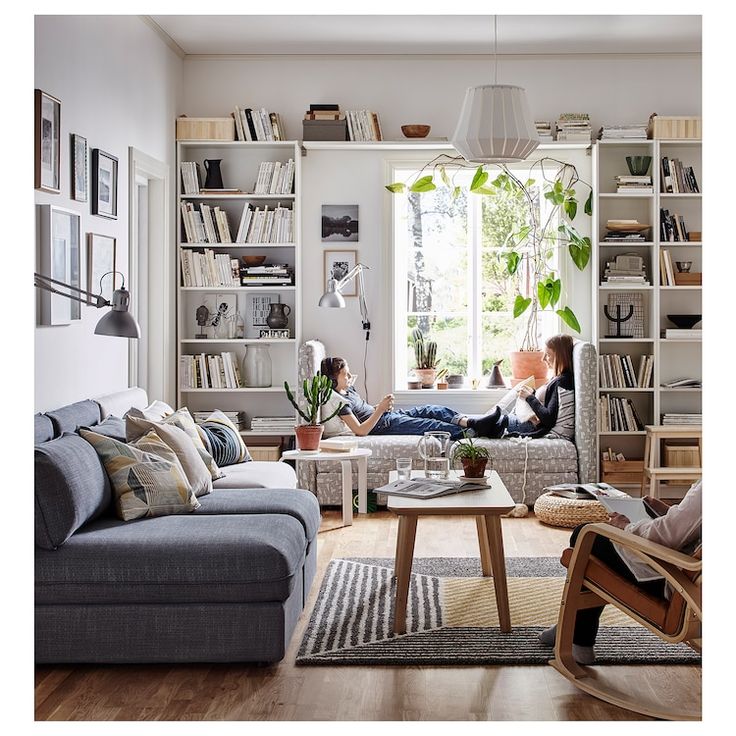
column 240, row 162
column 673, row 358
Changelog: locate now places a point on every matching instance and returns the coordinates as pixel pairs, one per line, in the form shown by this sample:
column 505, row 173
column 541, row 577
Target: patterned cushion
column 155, row 411
column 226, row 444
column 144, row 483
column 585, row 372
column 334, row 426
column 565, row 425
column 111, row 427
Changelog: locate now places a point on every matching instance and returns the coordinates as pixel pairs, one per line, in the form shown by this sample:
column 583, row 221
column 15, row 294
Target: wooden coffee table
column 486, row 506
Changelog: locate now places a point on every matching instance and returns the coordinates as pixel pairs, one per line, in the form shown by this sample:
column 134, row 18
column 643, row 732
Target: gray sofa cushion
column 43, row 430
column 71, row 488
column 197, row 558
column 256, row 474
column 73, row 416
column 111, row 427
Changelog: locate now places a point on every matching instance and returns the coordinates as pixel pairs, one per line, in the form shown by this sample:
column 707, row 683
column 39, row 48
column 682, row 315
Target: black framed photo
column 104, row 184
column 79, row 167
column 48, row 142
column 339, row 223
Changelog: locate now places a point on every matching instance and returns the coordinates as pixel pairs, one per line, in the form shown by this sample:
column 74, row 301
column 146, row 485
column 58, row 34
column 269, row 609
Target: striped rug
column 452, row 619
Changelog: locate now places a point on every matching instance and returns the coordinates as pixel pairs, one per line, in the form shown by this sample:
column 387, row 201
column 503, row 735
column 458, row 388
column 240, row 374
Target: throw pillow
column 177, row 440
column 522, row 410
column 111, row 427
column 144, row 483
column 334, row 426
column 226, row 442
column 565, row 425
column 155, row 411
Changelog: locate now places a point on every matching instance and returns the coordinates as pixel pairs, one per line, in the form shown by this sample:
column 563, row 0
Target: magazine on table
column 586, row 491
column 430, row 487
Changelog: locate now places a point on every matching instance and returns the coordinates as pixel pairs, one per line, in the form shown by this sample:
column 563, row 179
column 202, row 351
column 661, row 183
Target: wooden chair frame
column 580, row 592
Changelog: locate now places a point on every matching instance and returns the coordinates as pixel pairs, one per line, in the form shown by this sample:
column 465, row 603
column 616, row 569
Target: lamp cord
column 495, row 50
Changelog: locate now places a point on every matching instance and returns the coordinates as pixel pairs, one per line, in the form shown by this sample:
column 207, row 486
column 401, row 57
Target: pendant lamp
column 495, row 125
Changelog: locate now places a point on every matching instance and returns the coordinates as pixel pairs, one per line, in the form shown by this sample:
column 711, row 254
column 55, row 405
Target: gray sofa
column 224, row 583
column 525, row 466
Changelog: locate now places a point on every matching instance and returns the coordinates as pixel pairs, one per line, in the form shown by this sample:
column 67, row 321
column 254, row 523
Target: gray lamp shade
column 332, row 297
column 119, row 322
column 495, row 125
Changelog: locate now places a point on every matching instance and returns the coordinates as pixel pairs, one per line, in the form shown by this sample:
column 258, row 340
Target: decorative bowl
column 415, row 131
column 683, row 266
column 253, row 260
column 684, row 321
column 455, row 381
column 638, row 165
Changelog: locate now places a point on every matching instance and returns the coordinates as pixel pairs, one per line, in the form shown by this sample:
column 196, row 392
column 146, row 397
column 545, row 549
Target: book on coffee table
column 431, row 487
column 586, row 491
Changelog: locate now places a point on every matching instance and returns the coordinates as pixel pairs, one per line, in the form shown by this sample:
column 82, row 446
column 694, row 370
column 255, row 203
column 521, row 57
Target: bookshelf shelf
column 239, row 341
column 626, row 245
column 275, row 433
column 264, row 288
column 680, row 288
column 605, row 390
column 249, row 145
column 271, row 389
column 625, row 341
column 236, row 245
column 622, row 195
column 223, row 197
column 624, row 287
column 621, row 434
column 691, row 340
column 679, row 195
column 686, row 390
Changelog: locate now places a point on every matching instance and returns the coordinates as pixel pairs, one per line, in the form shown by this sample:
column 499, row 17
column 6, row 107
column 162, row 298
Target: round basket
column 568, row 512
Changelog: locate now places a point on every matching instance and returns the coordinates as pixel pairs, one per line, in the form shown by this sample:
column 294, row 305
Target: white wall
column 119, row 86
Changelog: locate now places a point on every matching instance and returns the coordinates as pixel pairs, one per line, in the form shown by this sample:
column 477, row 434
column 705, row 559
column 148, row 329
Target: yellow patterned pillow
column 146, row 477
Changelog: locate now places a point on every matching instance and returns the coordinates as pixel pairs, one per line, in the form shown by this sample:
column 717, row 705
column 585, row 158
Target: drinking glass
column 403, row 468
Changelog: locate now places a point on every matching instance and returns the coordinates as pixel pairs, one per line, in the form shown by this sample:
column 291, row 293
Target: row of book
column 617, row 414
column 672, row 226
column 209, row 269
column 274, row 225
column 678, row 179
column 272, row 424
column 632, row 131
column 238, row 418
column 617, row 371
column 544, row 130
column 190, row 180
column 258, row 125
column 209, row 371
column 275, row 177
column 631, row 184
column 626, row 268
column 363, row 125
column 276, row 273
column 666, row 269
column 674, row 418
column 574, row 126
column 205, row 224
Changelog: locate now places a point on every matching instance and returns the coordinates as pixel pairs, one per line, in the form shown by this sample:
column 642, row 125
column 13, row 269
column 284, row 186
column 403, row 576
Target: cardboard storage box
column 623, row 472
column 269, row 453
column 675, row 127
column 325, row 130
column 205, row 129
column 692, row 278
column 681, row 456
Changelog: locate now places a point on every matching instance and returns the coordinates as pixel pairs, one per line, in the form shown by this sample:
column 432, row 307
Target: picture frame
column 259, row 305
column 104, row 184
column 59, row 257
column 101, row 250
column 78, row 157
column 47, row 130
column 337, row 263
column 340, row 223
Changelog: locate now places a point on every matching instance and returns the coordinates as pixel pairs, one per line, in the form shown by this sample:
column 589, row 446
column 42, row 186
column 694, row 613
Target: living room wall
column 119, row 86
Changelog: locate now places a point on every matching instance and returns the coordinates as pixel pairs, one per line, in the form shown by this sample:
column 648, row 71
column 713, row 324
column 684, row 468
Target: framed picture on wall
column 339, row 223
column 47, row 142
column 79, row 167
column 104, row 184
column 337, row 263
column 101, row 262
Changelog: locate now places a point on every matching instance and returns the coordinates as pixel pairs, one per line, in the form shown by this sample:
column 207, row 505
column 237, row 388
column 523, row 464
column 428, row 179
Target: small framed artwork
column 259, row 305
column 339, row 223
column 48, row 142
column 101, row 262
column 337, row 265
column 79, row 167
column 60, row 259
column 104, row 184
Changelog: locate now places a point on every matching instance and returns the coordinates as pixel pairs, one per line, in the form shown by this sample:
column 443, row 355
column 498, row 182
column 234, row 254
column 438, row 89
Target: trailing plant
column 425, row 352
column 466, row 449
column 317, row 392
column 527, row 248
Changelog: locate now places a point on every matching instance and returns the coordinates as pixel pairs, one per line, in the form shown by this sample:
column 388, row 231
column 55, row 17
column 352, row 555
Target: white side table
column 345, row 459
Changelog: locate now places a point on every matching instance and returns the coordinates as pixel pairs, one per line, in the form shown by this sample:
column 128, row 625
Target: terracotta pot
column 426, row 376
column 525, row 363
column 308, row 436
column 474, row 468
column 441, row 385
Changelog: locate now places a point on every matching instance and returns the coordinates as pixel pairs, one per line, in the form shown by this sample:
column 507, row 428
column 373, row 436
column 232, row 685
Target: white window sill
column 484, row 393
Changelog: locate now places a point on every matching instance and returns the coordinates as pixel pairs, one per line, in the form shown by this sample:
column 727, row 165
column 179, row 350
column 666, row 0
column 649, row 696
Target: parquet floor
column 284, row 692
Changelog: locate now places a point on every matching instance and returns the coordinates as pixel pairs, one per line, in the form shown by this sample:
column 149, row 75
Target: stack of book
column 630, row 184
column 625, row 231
column 574, row 126
column 275, row 177
column 275, row 274
column 209, row 269
column 678, row 179
column 258, row 125
column 617, row 371
column 684, row 383
column 694, row 419
column 323, row 112
column 626, row 268
column 616, row 414
column 672, row 226
column 205, row 224
column 679, row 334
column 238, row 418
column 209, row 371
column 264, row 225
column 634, row 131
column 544, row 130
column 363, row 125
column 190, row 177
column 272, row 425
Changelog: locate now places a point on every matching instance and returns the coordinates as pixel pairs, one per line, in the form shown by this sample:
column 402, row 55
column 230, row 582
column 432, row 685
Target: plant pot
column 308, row 436
column 426, row 376
column 455, row 381
column 474, row 468
column 525, row 363
column 441, row 385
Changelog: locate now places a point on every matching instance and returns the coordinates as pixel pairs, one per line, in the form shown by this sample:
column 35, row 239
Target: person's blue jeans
column 519, row 427
column 420, row 419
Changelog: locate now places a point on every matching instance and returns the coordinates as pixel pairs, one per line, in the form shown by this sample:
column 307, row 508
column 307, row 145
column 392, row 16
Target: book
column 338, row 445
column 429, row 487
column 590, row 491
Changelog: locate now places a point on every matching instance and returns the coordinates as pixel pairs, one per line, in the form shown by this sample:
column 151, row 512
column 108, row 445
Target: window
column 450, row 279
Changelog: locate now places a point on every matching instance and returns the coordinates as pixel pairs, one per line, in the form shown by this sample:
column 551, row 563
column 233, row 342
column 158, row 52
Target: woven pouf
column 568, row 512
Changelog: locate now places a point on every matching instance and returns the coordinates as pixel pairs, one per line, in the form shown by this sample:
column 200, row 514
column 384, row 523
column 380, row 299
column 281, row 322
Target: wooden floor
column 284, row 692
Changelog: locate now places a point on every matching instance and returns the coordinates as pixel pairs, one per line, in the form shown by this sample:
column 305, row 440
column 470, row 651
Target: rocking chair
column 590, row 583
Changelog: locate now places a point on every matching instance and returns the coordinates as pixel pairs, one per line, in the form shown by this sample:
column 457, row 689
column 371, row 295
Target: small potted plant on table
column 474, row 458
column 317, row 392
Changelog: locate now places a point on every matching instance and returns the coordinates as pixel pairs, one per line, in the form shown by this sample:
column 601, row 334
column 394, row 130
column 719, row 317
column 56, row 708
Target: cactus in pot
column 317, row 392
column 425, row 355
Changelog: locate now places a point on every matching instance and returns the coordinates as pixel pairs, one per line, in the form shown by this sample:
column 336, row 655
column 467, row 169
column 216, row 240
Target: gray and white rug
column 452, row 618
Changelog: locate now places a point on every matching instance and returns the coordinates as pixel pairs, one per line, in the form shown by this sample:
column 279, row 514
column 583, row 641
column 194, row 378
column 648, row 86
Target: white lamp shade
column 495, row 125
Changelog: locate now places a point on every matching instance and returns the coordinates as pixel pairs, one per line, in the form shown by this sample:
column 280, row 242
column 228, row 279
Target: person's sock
column 548, row 636
column 487, row 426
column 495, row 413
column 581, row 654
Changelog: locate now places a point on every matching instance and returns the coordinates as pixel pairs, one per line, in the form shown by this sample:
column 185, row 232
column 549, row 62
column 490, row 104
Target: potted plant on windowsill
column 474, row 458
column 317, row 392
column 425, row 355
column 441, row 379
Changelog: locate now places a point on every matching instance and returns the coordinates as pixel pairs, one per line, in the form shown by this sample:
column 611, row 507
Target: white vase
column 257, row 366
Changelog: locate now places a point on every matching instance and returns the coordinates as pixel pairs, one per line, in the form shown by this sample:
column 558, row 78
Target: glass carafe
column 434, row 450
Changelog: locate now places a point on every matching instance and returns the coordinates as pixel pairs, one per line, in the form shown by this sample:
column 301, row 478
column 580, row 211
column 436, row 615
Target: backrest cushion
column 43, row 429
column 147, row 480
column 119, row 402
column 73, row 416
column 585, row 374
column 565, row 423
column 335, row 426
column 111, row 427
column 71, row 488
column 226, row 444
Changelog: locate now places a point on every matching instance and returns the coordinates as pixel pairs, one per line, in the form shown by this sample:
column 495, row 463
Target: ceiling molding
column 161, row 33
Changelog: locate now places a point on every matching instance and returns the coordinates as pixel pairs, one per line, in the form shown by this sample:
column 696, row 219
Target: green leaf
column 396, row 188
column 520, row 305
column 513, row 259
column 543, row 294
column 425, row 184
column 589, row 204
column 571, row 208
column 580, row 252
column 569, row 318
column 555, row 194
column 483, row 190
column 480, row 178
column 500, row 180
column 443, row 176
column 529, row 183
column 456, row 192
column 556, row 291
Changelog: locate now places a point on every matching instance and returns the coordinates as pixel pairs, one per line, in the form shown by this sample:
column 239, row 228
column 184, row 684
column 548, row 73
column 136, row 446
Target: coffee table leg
column 485, row 549
column 347, row 492
column 402, row 568
column 498, row 566
column 363, row 485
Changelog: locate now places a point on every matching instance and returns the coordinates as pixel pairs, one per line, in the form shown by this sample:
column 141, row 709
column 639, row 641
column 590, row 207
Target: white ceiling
column 431, row 34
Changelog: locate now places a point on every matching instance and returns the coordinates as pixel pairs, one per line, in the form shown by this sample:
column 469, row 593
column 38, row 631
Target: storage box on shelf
column 205, row 129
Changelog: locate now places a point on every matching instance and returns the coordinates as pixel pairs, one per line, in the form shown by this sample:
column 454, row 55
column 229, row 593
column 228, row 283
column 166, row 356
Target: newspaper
column 430, row 487
column 586, row 491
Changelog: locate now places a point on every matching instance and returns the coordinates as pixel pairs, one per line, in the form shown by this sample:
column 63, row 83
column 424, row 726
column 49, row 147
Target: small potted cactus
column 474, row 458
column 425, row 355
column 317, row 392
